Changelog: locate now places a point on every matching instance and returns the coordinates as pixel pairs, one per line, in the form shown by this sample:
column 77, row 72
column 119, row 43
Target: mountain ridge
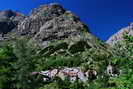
column 44, row 23
column 118, row 36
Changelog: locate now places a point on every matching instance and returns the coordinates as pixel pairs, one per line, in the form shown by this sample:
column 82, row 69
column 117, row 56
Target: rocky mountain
column 52, row 46
column 44, row 23
column 8, row 21
column 119, row 35
column 8, row 14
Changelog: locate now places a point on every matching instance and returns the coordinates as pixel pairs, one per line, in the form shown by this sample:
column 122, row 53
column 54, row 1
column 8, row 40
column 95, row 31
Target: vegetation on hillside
column 19, row 59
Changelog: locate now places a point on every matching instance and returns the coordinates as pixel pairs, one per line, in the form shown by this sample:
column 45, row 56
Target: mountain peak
column 51, row 22
column 50, row 9
column 9, row 13
column 48, row 23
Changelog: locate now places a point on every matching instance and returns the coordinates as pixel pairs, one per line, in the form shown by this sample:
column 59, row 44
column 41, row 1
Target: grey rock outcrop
column 51, row 22
column 119, row 35
column 44, row 24
column 60, row 28
column 38, row 17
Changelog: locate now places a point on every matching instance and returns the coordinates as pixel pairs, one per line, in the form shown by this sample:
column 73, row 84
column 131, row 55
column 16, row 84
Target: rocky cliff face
column 8, row 21
column 45, row 23
column 119, row 35
column 51, row 22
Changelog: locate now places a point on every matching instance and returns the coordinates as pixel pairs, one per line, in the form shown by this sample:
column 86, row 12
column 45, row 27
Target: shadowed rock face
column 7, row 14
column 6, row 26
column 119, row 35
column 8, row 21
column 73, row 74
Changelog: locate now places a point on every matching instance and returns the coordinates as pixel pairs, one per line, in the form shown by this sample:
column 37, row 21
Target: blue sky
column 103, row 17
